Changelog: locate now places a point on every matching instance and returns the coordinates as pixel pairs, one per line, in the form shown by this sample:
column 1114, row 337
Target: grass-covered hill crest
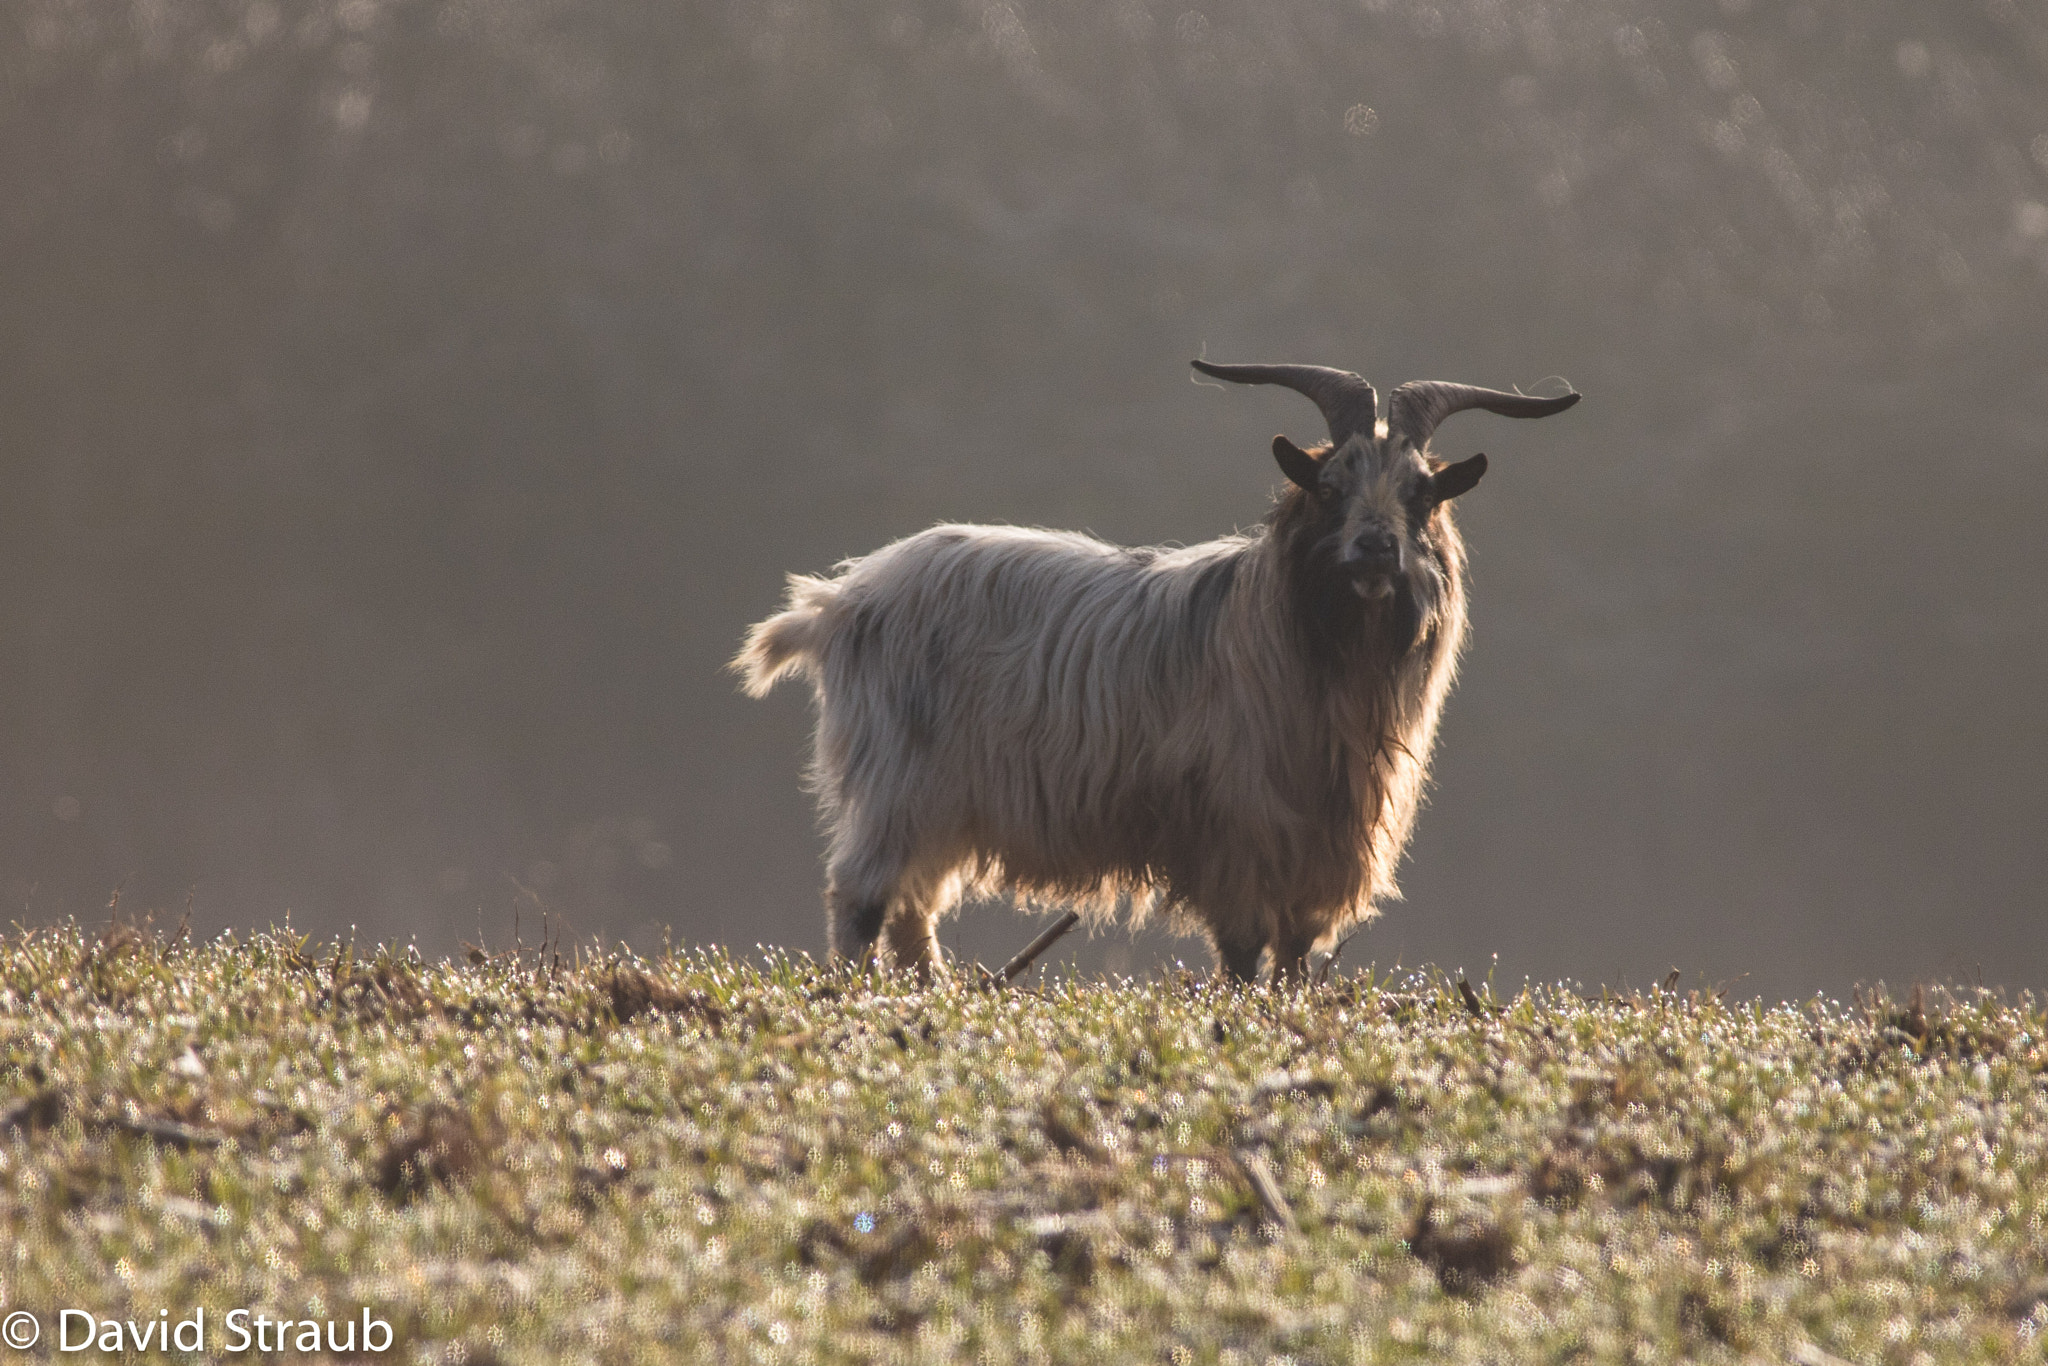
column 521, row 1158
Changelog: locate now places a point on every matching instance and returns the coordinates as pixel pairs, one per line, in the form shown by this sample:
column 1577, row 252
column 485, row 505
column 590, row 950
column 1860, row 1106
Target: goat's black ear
column 1452, row 480
column 1297, row 464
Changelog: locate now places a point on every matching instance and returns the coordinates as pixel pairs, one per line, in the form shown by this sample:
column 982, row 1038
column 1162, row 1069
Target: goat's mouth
column 1375, row 579
column 1374, row 572
column 1373, row 588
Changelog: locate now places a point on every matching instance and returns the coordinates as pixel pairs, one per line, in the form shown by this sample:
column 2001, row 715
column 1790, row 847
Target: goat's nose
column 1375, row 552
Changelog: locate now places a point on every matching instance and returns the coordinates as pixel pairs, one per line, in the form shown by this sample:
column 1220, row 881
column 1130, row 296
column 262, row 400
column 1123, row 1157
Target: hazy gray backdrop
column 406, row 404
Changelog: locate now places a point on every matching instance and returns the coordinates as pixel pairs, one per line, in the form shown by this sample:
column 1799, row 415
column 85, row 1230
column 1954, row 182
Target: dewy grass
column 700, row 1159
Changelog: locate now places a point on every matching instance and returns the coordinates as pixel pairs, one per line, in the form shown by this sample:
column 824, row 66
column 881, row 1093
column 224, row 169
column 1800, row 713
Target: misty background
column 406, row 405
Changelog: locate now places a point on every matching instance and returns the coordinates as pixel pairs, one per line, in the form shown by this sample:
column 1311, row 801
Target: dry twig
column 1014, row 969
column 1260, row 1178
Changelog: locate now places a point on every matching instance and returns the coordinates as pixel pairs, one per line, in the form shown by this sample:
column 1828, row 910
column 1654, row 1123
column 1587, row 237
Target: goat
column 1236, row 732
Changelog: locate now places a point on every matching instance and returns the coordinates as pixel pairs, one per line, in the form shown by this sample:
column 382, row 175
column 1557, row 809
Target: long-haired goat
column 1235, row 731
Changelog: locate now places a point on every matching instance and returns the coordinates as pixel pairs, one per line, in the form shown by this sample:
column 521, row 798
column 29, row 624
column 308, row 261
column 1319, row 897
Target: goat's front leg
column 1237, row 956
column 1290, row 960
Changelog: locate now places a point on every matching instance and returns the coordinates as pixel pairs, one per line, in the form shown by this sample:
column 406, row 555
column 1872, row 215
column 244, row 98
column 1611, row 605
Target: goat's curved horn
column 1348, row 403
column 1414, row 409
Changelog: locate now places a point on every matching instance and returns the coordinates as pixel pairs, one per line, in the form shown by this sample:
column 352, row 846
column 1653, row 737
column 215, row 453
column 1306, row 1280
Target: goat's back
column 981, row 649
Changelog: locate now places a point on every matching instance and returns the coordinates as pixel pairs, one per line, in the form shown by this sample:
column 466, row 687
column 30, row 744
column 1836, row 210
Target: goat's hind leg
column 914, row 941
column 853, row 924
column 924, row 897
column 864, row 883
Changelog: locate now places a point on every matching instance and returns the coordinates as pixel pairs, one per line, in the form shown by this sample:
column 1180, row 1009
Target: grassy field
column 695, row 1159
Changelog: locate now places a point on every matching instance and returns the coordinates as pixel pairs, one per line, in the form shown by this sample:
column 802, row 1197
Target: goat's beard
column 1339, row 626
column 1400, row 613
column 1384, row 616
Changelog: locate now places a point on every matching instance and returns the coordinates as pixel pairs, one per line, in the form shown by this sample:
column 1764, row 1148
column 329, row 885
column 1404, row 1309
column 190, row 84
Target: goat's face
column 1373, row 504
column 1365, row 529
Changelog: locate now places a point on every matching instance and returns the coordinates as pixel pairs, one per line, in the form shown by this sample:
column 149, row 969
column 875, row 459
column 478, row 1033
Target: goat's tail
column 791, row 640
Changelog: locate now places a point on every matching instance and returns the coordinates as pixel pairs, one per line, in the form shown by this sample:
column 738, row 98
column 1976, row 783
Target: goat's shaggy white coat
column 1210, row 730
